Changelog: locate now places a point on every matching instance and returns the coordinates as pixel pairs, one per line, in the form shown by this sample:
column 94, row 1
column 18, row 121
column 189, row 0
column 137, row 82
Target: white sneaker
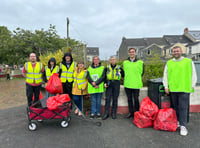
column 183, row 131
column 178, row 124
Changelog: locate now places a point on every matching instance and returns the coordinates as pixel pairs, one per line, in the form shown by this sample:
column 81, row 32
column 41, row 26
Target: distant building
column 193, row 51
column 162, row 45
column 91, row 52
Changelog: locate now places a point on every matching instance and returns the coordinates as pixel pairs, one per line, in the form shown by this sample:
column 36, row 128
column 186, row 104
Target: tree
column 154, row 67
column 5, row 39
column 16, row 46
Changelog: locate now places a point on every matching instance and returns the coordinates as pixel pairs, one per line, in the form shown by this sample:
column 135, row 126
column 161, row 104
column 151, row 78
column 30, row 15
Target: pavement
column 119, row 133
column 85, row 133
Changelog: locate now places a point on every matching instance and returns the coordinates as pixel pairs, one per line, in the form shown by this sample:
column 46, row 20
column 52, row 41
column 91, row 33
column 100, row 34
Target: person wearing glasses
column 33, row 72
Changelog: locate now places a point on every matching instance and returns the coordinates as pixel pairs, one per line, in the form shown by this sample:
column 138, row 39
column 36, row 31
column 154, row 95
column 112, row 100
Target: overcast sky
column 103, row 23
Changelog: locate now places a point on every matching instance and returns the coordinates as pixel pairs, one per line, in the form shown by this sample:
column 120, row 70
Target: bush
column 153, row 68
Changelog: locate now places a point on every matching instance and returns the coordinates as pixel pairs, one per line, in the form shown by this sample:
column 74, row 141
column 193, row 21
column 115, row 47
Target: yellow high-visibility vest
column 33, row 75
column 67, row 75
column 113, row 74
column 49, row 73
column 81, row 79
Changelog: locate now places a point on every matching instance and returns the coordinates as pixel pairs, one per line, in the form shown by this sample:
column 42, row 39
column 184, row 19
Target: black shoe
column 113, row 116
column 130, row 115
column 92, row 116
column 105, row 116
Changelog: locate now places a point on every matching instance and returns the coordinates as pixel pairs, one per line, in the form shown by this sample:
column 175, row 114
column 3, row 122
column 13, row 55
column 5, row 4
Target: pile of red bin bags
column 55, row 101
column 150, row 115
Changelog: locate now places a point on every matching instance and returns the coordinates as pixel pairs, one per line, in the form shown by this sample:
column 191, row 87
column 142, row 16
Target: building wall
column 89, row 57
column 194, row 49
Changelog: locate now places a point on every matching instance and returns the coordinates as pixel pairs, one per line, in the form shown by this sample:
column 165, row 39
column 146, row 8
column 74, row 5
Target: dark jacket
column 100, row 80
column 113, row 66
column 49, row 66
column 64, row 61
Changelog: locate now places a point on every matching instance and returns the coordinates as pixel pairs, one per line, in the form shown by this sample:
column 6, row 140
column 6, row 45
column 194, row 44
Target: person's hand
column 82, row 89
column 167, row 91
column 105, row 85
column 93, row 83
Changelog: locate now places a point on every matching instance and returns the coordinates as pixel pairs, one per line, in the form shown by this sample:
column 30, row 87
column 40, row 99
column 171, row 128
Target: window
column 149, row 51
column 170, row 51
column 190, row 50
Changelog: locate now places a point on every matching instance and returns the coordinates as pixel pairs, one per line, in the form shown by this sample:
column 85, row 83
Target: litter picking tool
column 97, row 123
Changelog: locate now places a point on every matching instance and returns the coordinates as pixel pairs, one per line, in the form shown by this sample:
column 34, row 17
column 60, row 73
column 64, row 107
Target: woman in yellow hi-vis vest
column 79, row 86
column 66, row 73
column 49, row 71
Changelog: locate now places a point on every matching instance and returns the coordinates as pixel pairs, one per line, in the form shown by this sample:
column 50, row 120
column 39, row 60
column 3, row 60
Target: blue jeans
column 96, row 103
column 180, row 103
column 48, row 95
column 78, row 100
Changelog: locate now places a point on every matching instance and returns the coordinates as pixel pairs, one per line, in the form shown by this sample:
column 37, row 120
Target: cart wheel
column 64, row 123
column 32, row 126
column 69, row 119
column 40, row 120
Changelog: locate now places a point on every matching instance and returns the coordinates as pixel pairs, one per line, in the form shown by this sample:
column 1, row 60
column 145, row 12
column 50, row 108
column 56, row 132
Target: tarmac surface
column 119, row 133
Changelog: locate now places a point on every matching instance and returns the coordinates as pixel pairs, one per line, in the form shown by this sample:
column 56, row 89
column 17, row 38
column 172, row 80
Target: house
column 137, row 43
column 91, row 52
column 162, row 45
column 150, row 50
column 193, row 35
column 193, row 51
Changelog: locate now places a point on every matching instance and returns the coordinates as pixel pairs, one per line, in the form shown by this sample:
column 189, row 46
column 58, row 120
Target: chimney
column 185, row 30
column 123, row 38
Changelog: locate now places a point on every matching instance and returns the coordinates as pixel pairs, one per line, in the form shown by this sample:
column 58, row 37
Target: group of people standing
column 78, row 81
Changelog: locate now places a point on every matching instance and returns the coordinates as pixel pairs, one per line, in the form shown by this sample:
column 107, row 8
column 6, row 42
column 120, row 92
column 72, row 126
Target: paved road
column 119, row 133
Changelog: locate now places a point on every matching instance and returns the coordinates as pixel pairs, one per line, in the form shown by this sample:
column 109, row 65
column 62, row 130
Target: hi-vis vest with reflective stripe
column 67, row 75
column 113, row 74
column 33, row 74
column 49, row 73
column 80, row 79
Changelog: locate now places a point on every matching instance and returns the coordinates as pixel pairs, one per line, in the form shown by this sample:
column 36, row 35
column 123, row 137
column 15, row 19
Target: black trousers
column 8, row 76
column 29, row 93
column 180, row 103
column 67, row 88
column 132, row 93
column 112, row 91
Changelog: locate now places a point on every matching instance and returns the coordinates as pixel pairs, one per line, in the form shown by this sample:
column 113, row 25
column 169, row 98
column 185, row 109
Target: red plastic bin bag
column 63, row 98
column 142, row 121
column 54, row 84
column 149, row 108
column 166, row 120
column 52, row 103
